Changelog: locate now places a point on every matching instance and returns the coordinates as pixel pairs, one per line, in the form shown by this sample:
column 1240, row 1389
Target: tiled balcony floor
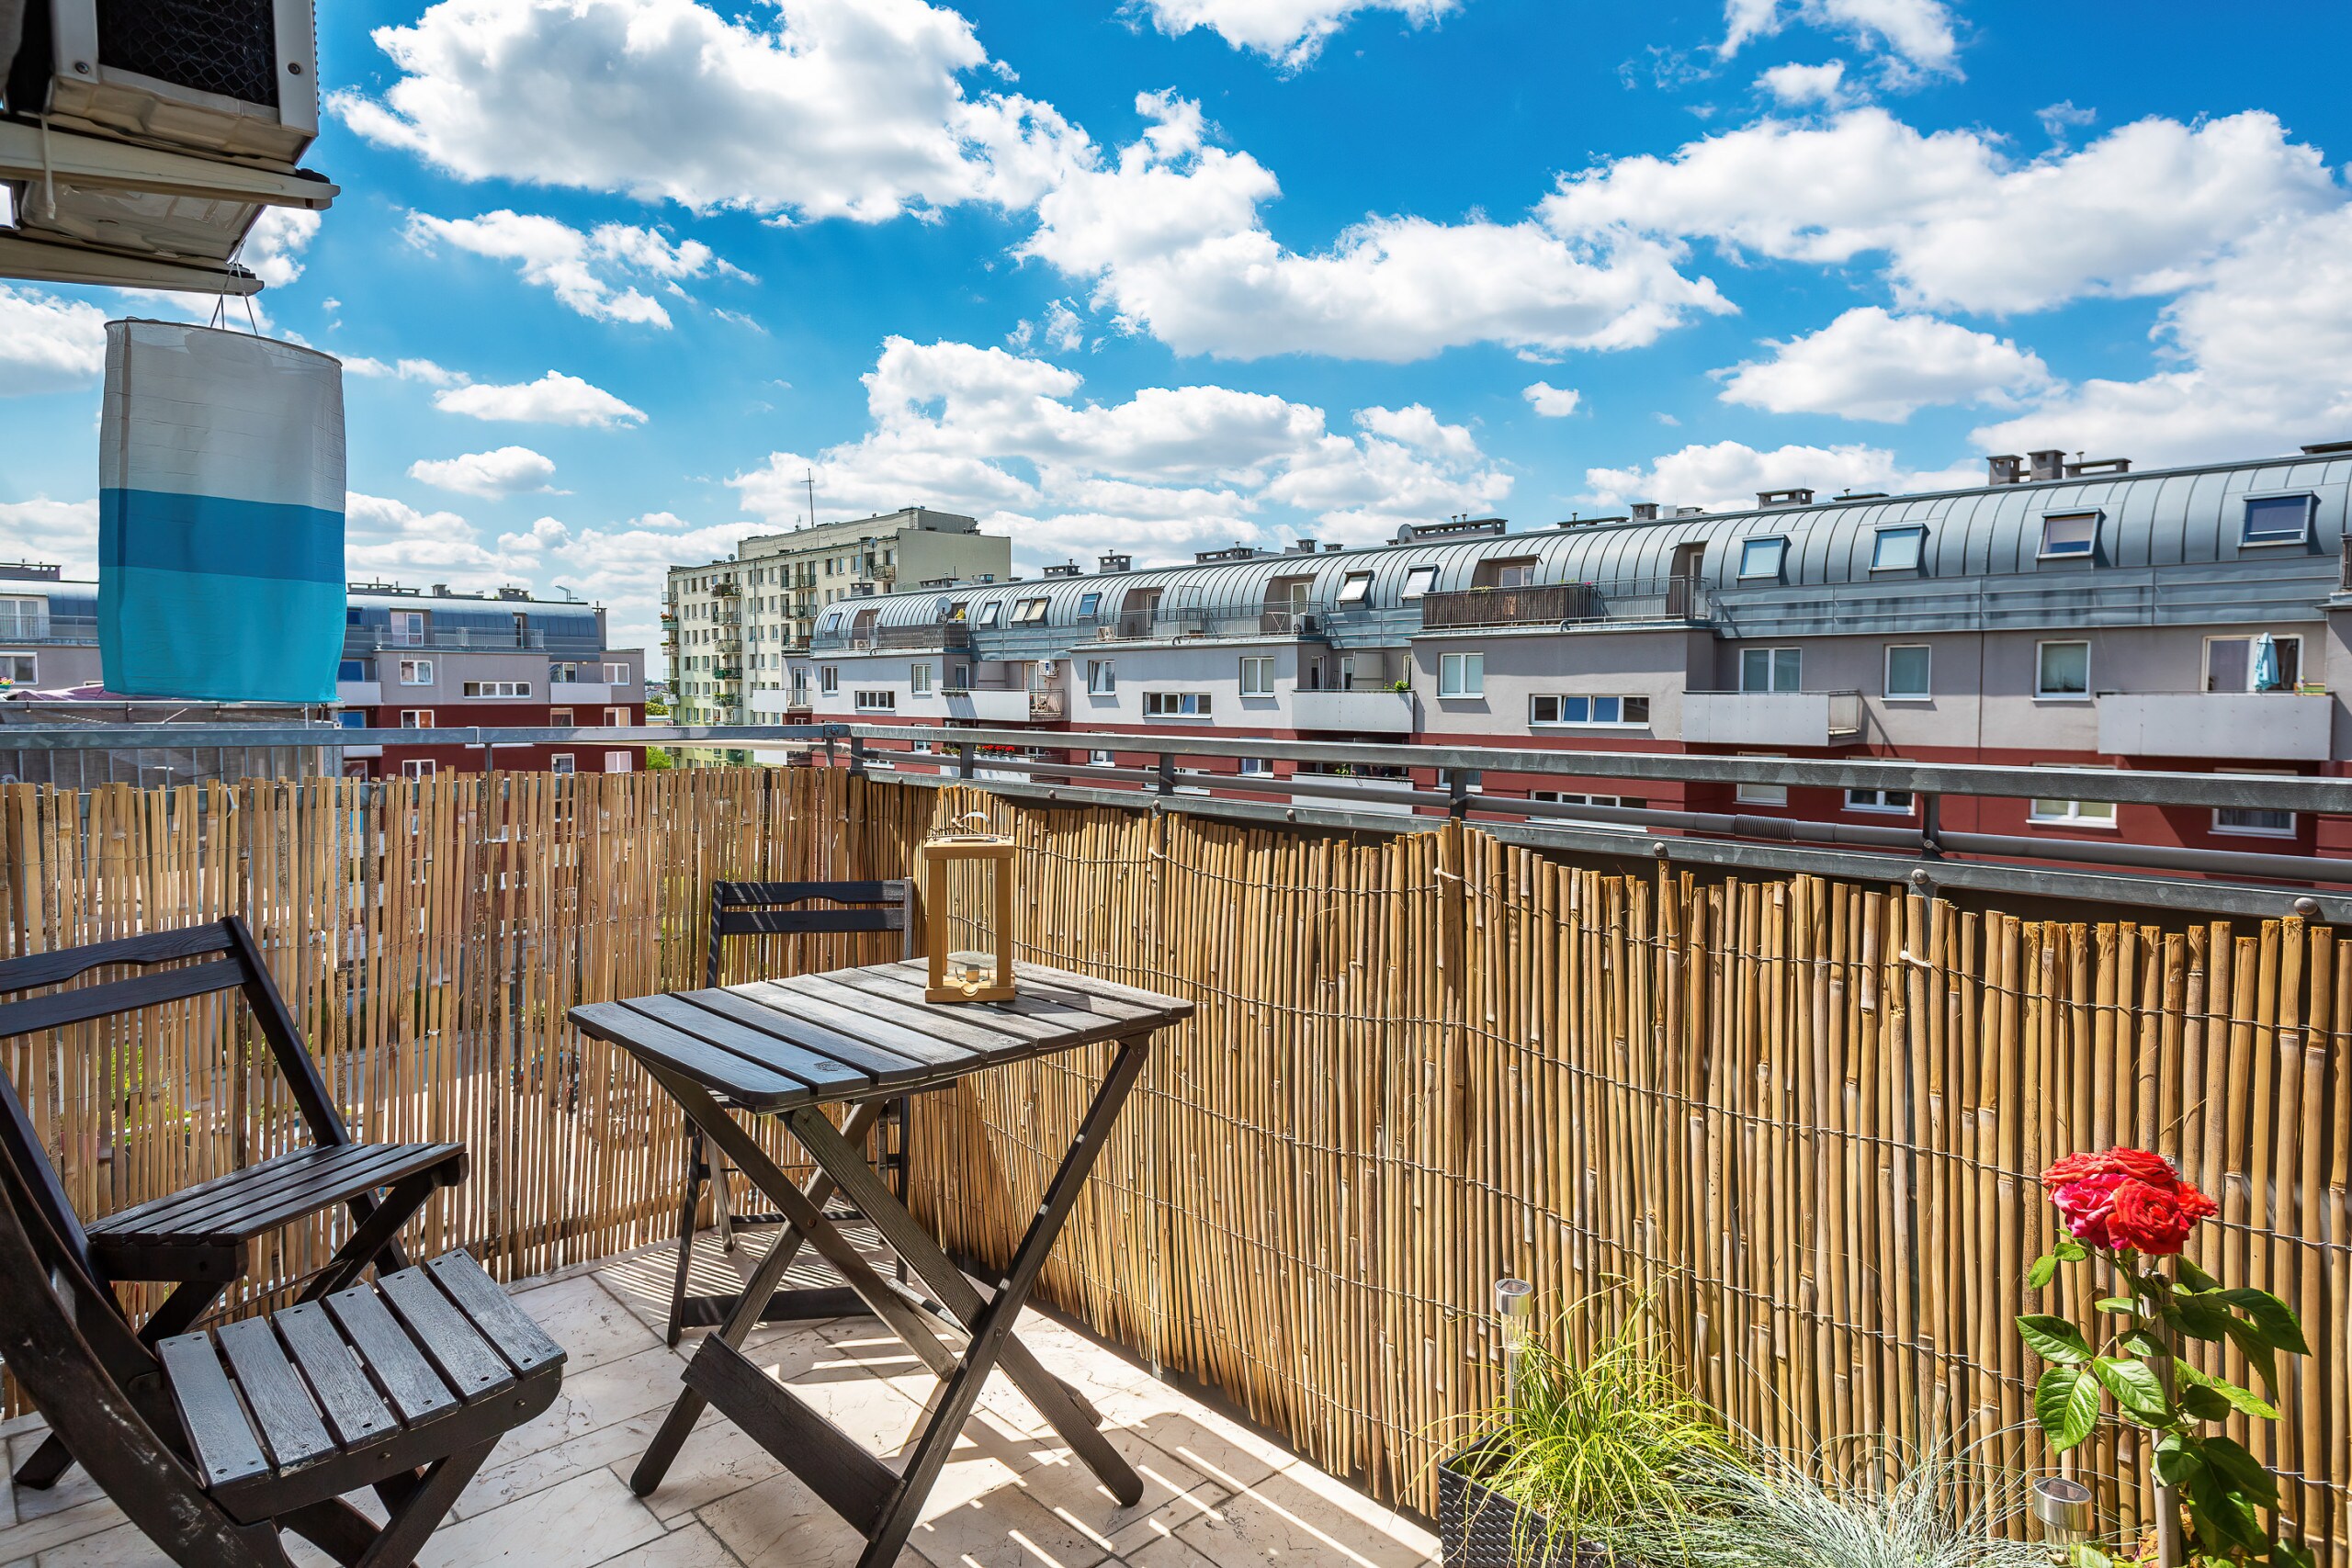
column 556, row 1493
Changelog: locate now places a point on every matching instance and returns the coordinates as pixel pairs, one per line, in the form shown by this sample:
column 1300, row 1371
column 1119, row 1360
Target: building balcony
column 1170, row 626
column 359, row 694
column 1047, row 706
column 1567, row 603
column 940, row 635
column 1379, row 711
column 2284, row 727
column 1770, row 719
column 574, row 693
column 989, row 704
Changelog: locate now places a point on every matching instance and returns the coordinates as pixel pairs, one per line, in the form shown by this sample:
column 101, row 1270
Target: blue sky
column 610, row 275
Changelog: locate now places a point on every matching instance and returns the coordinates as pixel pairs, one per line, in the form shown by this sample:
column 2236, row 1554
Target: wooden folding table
column 860, row 1037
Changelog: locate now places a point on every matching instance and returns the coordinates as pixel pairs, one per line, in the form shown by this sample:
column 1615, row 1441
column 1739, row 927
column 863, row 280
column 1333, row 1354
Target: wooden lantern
column 968, row 975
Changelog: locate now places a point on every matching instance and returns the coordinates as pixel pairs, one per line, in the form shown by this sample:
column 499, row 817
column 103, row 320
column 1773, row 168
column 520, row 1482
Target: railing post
column 964, row 752
column 858, row 756
column 1457, row 791
column 1167, row 773
column 1930, row 826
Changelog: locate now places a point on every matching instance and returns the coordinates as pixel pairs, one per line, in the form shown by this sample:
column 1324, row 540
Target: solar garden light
column 2063, row 1506
column 1514, row 1310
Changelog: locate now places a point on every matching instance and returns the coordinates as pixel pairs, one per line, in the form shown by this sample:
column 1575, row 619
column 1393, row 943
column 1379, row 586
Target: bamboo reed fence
column 1805, row 1115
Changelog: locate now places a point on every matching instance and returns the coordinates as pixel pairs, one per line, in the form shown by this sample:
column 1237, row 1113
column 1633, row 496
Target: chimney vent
column 1690, row 512
column 1767, row 499
column 1117, row 563
column 1067, row 568
column 1645, row 511
column 2097, row 465
column 2049, row 463
column 1303, row 547
column 2007, row 469
column 441, row 591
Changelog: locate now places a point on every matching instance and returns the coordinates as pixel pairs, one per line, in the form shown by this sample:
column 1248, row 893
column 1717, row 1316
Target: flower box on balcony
column 1480, row 1528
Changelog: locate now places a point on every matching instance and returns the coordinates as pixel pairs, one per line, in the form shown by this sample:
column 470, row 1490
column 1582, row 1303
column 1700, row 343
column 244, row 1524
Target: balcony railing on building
column 481, row 639
column 1567, row 603
column 937, row 634
column 1167, row 625
column 35, row 624
column 1770, row 719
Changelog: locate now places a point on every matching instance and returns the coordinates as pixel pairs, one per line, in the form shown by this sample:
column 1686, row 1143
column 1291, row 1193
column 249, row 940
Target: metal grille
column 229, row 47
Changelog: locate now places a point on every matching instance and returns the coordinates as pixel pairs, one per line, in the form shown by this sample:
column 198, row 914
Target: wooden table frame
column 960, row 1333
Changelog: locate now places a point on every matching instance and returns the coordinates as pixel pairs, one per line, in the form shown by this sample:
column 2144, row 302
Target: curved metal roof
column 2156, row 520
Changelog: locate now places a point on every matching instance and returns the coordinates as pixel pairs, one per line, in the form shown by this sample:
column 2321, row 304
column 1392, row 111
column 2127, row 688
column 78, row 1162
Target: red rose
column 2138, row 1164
column 2084, row 1204
column 2155, row 1218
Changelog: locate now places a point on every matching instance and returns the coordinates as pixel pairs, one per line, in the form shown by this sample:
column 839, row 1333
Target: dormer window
column 1089, row 603
column 1029, row 613
column 2066, row 534
column 1898, row 549
column 1355, row 588
column 990, row 611
column 2277, row 520
column 1761, row 558
column 1419, row 580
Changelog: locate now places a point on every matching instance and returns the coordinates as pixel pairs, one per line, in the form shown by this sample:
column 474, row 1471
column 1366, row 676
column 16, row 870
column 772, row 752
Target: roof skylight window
column 1761, row 558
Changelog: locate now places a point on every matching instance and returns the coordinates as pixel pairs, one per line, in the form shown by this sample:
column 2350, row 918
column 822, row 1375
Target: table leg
column 954, row 1405
column 1054, row 1400
column 663, row 1450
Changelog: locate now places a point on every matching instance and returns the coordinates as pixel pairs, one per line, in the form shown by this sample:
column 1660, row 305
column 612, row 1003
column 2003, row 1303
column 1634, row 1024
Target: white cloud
column 1794, row 86
column 1170, row 471
column 622, row 566
column 1290, row 32
column 1551, row 402
column 500, row 472
column 553, row 399
column 391, row 539
column 274, row 246
column 63, row 532
column 1727, row 475
column 48, row 344
column 576, row 266
column 851, row 108
column 1171, row 235
column 1870, row 365
column 2252, row 361
column 422, row 370
column 1917, row 34
column 1961, row 225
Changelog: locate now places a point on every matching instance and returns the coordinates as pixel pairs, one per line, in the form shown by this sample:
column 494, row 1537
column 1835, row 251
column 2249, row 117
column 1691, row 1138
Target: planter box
column 1481, row 1529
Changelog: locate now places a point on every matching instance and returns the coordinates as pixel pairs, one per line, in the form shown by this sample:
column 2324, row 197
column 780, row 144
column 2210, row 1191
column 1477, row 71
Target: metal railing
column 1047, row 704
column 480, row 639
column 41, row 626
column 1163, row 625
column 938, row 633
column 1565, row 604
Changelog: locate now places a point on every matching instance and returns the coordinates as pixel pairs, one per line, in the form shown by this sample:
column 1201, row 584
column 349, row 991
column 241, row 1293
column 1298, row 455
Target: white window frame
column 990, row 611
column 2249, row 830
column 2303, row 535
column 2040, row 653
column 2086, row 551
column 1761, row 794
column 1749, row 568
column 2071, row 813
column 617, row 675
column 1102, row 759
column 1560, row 701
column 1102, row 677
column 829, row 679
column 877, row 700
column 1355, row 588
column 496, row 690
column 2248, row 639
column 406, row 629
column 32, row 662
column 620, row 762
column 1911, row 531
column 1876, row 801
column 416, row 671
column 1419, row 580
column 1176, row 705
column 559, row 718
column 416, row 718
column 918, row 679
column 1256, row 767
column 1258, row 675
column 1461, row 676
column 419, row 768
column 1886, row 673
column 1030, row 612
column 561, row 764
column 1770, row 654
column 616, row 718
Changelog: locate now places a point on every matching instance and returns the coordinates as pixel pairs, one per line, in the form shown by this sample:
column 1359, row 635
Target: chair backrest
column 237, row 965
column 765, row 909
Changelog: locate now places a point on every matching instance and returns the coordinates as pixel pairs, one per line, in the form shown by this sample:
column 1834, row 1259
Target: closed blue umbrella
column 2266, row 663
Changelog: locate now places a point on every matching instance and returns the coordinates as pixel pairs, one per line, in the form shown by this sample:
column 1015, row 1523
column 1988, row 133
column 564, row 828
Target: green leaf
column 2178, row 1460
column 2273, row 1318
column 2144, row 1345
column 2083, row 1554
column 2044, row 1269
column 2222, row 1512
column 2066, row 1401
column 2196, row 1279
column 2123, row 1305
column 2245, row 1401
column 2198, row 1316
column 2290, row 1554
column 2227, row 1459
column 2069, row 1250
column 2205, row 1404
column 2256, row 1347
column 2054, row 1339
column 2136, row 1388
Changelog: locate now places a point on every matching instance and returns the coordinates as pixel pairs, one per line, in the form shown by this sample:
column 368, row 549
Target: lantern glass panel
column 967, row 912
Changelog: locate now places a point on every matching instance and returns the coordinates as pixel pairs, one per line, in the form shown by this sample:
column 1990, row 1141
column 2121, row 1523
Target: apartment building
column 2061, row 613
column 730, row 628
column 427, row 662
column 412, row 660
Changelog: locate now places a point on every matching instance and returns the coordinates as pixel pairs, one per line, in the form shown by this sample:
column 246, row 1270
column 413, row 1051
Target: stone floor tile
column 601, row 1396
column 1219, row 1451
column 690, row 1546
column 1174, row 1494
column 589, row 1519
column 1004, row 1528
column 781, row 1524
column 89, row 1517
column 719, row 1458
column 527, row 1470
column 1167, row 1552
column 588, row 1321
column 72, row 1489
column 1284, row 1520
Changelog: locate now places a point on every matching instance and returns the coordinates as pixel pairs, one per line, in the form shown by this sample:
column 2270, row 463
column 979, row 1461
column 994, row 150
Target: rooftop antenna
column 810, row 478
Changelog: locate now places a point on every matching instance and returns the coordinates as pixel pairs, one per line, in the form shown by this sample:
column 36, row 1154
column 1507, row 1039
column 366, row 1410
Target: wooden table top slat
column 857, row 1033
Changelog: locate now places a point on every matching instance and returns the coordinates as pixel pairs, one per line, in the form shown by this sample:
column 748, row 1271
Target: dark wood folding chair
column 199, row 1238
column 782, row 908
column 214, row 1442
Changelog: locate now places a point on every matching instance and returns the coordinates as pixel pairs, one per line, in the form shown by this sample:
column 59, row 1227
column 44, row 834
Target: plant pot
column 1480, row 1528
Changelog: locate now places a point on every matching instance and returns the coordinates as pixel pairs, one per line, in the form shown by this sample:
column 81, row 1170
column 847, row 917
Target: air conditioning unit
column 144, row 137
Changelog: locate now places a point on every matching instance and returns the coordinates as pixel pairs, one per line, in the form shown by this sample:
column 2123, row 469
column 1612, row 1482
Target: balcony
column 989, row 704
column 940, row 635
column 39, row 626
column 1371, row 710
column 1170, row 626
column 2284, row 727
column 358, row 640
column 1047, row 706
column 359, row 694
column 1770, row 719
column 1567, row 603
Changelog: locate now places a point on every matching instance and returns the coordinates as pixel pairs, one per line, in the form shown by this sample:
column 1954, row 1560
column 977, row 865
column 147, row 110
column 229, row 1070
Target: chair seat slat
column 407, row 1379
column 244, row 1203
column 275, row 1394
column 507, row 1327
column 467, row 1362
column 226, row 1450
column 346, row 1398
